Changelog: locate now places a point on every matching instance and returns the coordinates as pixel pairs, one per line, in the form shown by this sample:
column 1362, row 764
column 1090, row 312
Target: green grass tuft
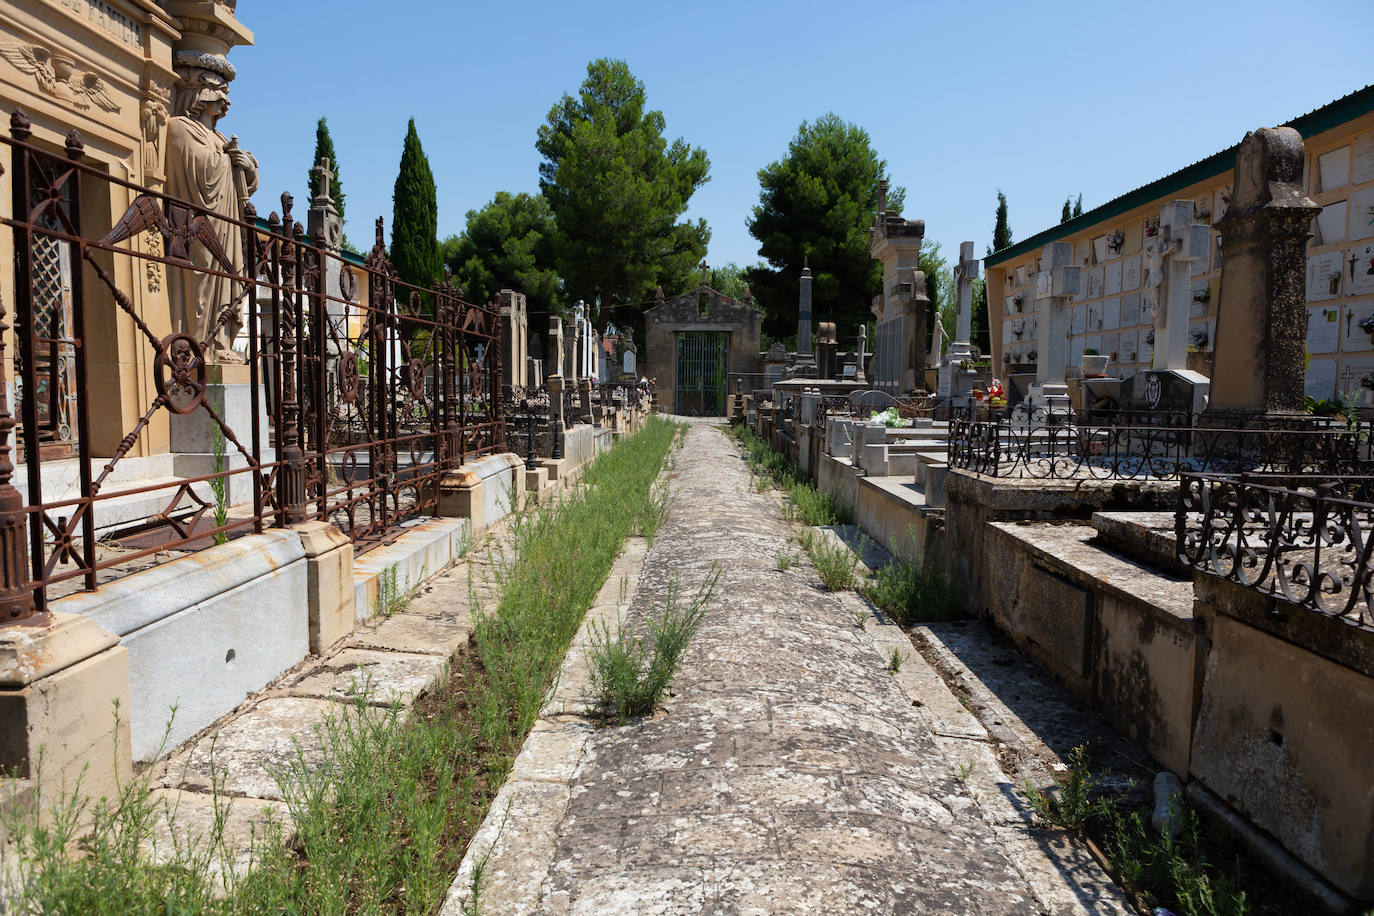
column 631, row 674
column 912, row 593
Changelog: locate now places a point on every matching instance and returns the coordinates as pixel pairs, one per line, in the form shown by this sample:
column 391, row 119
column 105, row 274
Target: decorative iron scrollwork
column 348, row 378
column 415, row 378
column 179, row 373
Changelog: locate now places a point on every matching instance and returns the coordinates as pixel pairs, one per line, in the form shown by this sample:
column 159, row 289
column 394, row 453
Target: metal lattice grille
column 52, row 318
column 702, row 358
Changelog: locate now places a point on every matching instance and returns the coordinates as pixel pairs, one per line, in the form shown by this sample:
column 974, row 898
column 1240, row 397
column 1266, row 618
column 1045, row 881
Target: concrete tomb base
column 58, row 686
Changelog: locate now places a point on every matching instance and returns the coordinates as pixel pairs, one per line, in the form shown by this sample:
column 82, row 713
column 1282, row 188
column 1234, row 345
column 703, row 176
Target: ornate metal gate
column 702, row 358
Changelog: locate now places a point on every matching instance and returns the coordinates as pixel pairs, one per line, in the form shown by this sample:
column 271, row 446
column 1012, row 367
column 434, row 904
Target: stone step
column 1118, row 632
column 930, row 477
column 1144, row 536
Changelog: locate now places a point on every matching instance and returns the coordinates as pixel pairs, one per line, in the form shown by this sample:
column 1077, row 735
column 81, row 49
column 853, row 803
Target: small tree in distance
column 1001, row 232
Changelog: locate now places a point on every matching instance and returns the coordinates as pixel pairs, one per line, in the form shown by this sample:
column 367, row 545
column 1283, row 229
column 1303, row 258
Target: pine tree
column 415, row 216
column 324, row 146
column 1001, row 233
column 816, row 206
column 618, row 189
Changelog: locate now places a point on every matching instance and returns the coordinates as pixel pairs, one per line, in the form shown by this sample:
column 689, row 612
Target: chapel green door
column 702, row 357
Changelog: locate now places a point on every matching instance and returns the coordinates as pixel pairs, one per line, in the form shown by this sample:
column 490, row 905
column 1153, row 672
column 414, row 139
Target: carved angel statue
column 209, row 171
column 58, row 77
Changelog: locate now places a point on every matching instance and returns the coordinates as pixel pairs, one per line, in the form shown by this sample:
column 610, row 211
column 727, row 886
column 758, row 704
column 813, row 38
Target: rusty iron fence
column 1304, row 540
column 1134, row 445
column 344, row 395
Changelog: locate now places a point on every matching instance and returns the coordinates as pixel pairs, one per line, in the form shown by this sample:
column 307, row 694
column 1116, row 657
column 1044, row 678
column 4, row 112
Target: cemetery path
column 788, row 773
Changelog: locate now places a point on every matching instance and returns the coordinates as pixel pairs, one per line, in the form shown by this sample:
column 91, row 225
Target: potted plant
column 1093, row 364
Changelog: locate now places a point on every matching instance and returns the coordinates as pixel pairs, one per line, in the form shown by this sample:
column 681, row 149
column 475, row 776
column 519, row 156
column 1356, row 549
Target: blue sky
column 1040, row 100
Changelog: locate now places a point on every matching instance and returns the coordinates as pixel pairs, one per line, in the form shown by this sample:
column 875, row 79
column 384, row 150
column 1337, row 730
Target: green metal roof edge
column 349, row 256
column 1346, row 108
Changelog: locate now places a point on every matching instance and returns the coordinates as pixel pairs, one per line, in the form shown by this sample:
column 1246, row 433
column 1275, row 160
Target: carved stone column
column 1262, row 316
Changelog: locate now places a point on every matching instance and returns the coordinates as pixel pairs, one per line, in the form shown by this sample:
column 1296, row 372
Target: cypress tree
column 1078, row 206
column 1067, row 213
column 1001, row 233
column 324, row 146
column 415, row 217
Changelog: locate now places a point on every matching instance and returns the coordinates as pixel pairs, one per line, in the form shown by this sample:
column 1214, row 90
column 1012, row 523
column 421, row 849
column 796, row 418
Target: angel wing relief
column 59, row 77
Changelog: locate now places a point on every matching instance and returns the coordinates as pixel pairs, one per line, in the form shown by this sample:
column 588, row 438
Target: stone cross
column 1055, row 284
column 804, row 312
column 1178, row 243
column 324, row 177
column 322, row 220
column 1261, row 340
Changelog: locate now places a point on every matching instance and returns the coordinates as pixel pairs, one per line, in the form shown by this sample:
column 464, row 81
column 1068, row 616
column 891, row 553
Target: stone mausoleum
column 699, row 344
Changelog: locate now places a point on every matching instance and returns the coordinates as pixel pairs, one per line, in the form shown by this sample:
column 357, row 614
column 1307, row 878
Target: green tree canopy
column 1078, row 206
column 507, row 245
column 817, row 203
column 731, row 280
column 415, row 216
column 617, row 189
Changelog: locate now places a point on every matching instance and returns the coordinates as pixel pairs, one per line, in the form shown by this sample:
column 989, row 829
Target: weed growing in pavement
column 835, row 563
column 804, row 502
column 894, row 662
column 630, row 674
column 784, row 559
column 911, row 593
column 964, row 770
column 111, row 874
column 393, row 596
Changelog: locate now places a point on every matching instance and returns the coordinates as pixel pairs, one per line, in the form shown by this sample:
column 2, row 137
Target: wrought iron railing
column 1305, row 540
column 1134, row 445
column 355, row 390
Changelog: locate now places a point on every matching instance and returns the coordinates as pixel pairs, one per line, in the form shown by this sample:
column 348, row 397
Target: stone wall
column 1285, row 729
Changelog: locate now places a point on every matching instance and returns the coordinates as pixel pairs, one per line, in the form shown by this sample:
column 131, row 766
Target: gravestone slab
column 1170, row 389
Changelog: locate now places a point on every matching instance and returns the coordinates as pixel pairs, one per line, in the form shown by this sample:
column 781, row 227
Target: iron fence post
column 16, row 590
column 293, row 469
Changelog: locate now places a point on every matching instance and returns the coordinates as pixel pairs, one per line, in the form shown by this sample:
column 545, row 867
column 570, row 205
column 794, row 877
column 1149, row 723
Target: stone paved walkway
column 789, row 773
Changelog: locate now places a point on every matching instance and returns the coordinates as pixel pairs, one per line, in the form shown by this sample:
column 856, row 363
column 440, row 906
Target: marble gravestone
column 1169, row 258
